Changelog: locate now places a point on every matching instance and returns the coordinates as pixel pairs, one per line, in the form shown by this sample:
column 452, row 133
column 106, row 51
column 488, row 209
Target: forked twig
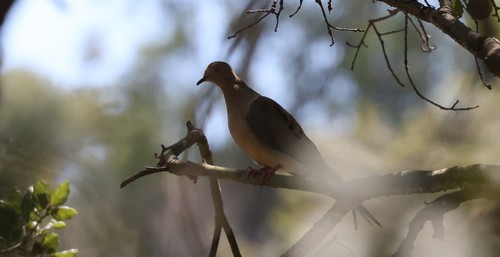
column 415, row 89
column 276, row 10
column 425, row 46
column 271, row 10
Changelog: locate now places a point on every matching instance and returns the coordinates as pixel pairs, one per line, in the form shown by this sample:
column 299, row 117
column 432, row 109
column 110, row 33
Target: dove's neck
column 238, row 97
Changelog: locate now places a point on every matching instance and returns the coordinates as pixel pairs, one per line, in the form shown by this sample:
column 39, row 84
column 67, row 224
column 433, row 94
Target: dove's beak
column 201, row 80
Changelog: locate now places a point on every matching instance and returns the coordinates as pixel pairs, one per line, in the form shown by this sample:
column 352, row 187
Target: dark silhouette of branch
column 271, row 10
column 274, row 7
column 434, row 212
column 169, row 155
column 5, row 6
column 297, row 10
column 329, row 26
column 407, row 69
column 483, row 47
column 220, row 217
column 372, row 24
column 425, row 46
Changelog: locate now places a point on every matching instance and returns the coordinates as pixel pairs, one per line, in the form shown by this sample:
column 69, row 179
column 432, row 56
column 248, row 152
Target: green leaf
column 15, row 198
column 68, row 253
column 28, row 203
column 34, row 216
column 60, row 194
column 63, row 213
column 58, row 224
column 42, row 194
column 50, row 242
column 9, row 221
column 457, row 8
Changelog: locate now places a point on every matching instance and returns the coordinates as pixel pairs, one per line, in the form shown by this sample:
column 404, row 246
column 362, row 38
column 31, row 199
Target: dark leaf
column 42, row 194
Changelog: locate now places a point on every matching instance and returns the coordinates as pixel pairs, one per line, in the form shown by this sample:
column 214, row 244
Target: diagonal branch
column 271, row 10
column 435, row 211
column 417, row 91
column 220, row 217
column 483, row 47
column 320, row 229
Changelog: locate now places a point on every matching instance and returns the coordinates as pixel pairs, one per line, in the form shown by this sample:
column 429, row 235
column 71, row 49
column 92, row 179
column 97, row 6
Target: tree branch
column 169, row 155
column 485, row 48
column 397, row 183
column 435, row 211
column 465, row 178
column 220, row 216
column 320, row 229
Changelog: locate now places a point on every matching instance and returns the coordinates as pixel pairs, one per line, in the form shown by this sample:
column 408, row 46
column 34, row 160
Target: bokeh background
column 90, row 89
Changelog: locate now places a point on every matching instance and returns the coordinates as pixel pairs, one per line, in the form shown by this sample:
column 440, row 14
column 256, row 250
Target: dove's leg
column 266, row 172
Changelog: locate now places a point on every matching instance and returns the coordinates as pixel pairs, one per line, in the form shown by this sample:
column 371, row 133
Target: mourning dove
column 267, row 132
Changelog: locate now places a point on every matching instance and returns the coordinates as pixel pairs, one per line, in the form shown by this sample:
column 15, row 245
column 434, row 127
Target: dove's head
column 219, row 73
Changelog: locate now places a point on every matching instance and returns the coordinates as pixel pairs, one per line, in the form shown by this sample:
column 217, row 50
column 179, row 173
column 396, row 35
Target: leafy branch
column 24, row 227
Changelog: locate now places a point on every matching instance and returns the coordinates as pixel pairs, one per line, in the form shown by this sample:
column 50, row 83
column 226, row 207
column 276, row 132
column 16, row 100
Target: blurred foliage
column 25, row 228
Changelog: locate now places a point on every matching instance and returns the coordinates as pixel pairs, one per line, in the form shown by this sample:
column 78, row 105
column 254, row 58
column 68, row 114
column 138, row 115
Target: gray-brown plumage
column 266, row 131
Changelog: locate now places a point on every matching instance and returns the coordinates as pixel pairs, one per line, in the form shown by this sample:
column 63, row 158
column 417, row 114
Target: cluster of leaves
column 26, row 221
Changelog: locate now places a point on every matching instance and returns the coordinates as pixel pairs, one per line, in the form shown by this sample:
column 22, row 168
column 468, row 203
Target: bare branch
column 483, row 47
column 249, row 26
column 435, row 211
column 298, row 9
column 347, row 194
column 424, row 37
column 407, row 69
column 276, row 10
column 271, row 10
column 371, row 23
column 320, row 229
column 329, row 26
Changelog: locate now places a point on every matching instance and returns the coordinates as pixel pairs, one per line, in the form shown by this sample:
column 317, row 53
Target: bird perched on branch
column 267, row 132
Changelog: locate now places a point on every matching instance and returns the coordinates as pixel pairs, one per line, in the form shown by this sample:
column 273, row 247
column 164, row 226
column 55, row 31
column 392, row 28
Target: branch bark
column 473, row 178
column 397, row 183
column 483, row 47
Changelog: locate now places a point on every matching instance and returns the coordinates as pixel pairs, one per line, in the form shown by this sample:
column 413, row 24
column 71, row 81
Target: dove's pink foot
column 266, row 172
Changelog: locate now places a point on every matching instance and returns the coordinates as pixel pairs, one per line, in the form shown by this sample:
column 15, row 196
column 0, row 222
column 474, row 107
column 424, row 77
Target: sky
column 62, row 30
column 115, row 31
column 94, row 43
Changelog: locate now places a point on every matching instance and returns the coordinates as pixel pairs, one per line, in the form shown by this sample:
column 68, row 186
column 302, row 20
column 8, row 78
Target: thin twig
column 298, row 8
column 271, row 10
column 362, row 40
column 415, row 89
column 387, row 62
column 329, row 26
column 249, row 26
column 488, row 86
column 424, row 37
